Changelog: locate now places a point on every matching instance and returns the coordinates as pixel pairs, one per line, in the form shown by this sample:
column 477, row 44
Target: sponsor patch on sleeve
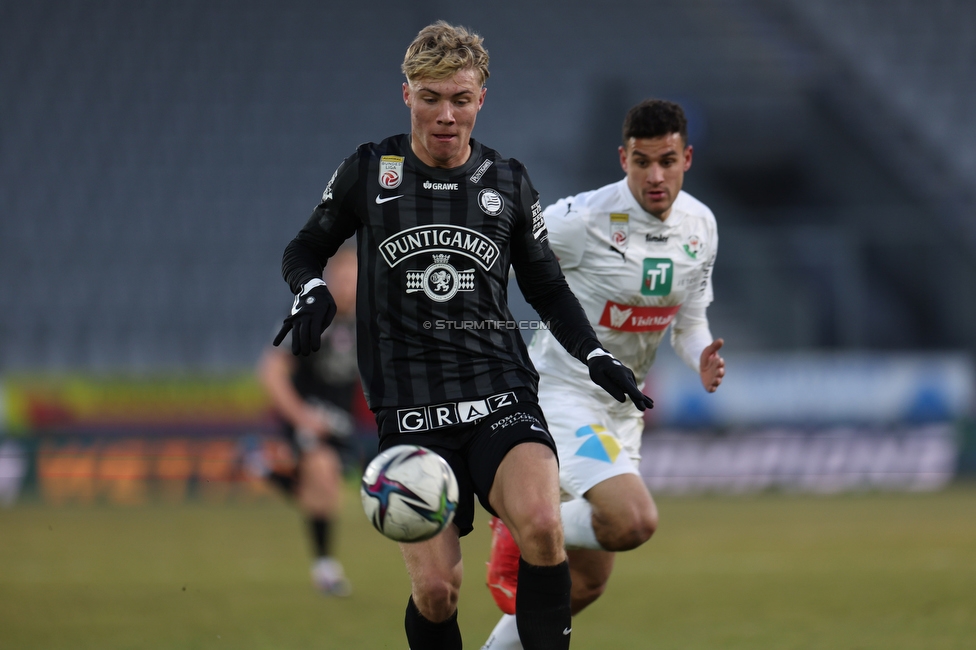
column 538, row 222
column 327, row 194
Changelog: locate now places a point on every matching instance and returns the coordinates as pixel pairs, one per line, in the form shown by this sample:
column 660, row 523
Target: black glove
column 312, row 312
column 616, row 378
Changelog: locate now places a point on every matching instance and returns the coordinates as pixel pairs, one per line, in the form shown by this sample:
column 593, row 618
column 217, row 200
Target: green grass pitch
column 858, row 571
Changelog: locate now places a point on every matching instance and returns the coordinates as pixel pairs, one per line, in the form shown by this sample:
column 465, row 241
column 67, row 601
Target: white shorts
column 596, row 439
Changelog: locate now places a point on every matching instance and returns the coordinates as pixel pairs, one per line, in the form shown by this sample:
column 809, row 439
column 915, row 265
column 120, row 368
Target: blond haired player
column 440, row 219
column 638, row 254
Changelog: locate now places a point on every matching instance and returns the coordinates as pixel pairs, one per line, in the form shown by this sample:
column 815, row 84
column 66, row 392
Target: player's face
column 442, row 115
column 655, row 169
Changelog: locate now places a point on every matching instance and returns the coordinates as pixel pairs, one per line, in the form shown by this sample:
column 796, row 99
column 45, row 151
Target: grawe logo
column 429, row 185
column 658, row 275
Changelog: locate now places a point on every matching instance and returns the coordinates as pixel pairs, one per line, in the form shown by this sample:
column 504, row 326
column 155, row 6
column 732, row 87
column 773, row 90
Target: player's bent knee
column 321, row 465
column 541, row 540
column 587, row 591
column 541, row 537
column 642, row 528
column 627, row 530
column 436, row 599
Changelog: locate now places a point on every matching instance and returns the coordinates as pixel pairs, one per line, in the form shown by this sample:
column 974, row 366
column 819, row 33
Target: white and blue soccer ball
column 409, row 493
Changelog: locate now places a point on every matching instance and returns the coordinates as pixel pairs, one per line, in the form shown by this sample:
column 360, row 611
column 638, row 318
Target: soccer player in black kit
column 315, row 399
column 439, row 220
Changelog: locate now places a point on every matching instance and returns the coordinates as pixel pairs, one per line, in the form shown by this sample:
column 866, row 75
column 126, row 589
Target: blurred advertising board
column 811, row 422
column 824, row 460
column 130, row 440
column 76, row 404
column 133, row 440
column 822, row 389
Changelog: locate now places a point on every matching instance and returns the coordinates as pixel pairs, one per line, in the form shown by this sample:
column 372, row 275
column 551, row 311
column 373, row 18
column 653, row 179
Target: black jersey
column 332, row 373
column 435, row 247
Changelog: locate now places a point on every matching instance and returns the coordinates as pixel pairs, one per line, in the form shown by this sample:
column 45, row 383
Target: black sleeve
column 542, row 281
column 332, row 222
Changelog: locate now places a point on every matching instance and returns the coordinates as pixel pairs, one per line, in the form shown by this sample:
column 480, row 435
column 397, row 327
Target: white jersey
column 631, row 272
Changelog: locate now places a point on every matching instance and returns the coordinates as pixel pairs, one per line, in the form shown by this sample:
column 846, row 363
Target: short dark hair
column 654, row 118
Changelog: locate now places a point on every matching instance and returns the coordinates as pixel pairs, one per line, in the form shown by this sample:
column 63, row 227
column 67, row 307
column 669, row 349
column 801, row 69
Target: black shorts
column 474, row 450
column 355, row 450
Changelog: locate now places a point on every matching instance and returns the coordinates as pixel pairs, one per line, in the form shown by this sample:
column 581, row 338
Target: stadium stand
column 155, row 158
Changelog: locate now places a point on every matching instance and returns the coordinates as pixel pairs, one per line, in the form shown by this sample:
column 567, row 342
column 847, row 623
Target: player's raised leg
column 590, row 571
column 617, row 514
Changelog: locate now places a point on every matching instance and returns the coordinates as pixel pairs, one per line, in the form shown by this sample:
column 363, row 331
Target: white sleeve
column 702, row 296
column 690, row 335
column 567, row 232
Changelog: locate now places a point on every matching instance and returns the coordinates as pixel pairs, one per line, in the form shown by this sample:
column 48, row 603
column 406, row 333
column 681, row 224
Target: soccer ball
column 409, row 493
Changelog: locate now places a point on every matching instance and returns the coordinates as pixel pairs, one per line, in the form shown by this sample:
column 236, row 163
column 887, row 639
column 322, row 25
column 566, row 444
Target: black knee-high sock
column 542, row 611
column 425, row 635
column 320, row 530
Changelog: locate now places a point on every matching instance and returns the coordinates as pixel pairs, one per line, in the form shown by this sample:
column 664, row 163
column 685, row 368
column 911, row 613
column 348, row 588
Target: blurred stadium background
column 156, row 157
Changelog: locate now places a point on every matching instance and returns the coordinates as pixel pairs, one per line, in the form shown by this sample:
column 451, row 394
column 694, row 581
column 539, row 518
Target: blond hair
column 442, row 50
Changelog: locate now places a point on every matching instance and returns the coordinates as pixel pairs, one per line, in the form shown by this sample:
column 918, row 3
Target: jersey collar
column 440, row 173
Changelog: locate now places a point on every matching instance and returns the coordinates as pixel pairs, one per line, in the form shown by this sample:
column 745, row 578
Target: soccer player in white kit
column 639, row 255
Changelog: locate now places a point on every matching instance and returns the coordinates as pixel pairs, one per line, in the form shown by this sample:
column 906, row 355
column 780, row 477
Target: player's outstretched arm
column 712, row 366
column 616, row 378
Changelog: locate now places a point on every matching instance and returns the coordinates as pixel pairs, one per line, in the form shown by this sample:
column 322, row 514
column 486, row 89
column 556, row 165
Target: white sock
column 577, row 518
column 504, row 636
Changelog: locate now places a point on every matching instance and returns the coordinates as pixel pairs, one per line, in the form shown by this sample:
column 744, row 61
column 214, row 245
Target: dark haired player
column 638, row 254
column 439, row 220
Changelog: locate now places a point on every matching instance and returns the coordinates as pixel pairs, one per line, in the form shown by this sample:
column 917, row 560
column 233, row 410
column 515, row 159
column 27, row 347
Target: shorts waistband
column 449, row 414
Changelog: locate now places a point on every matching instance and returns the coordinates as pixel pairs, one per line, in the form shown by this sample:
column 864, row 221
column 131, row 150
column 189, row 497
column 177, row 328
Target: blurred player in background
column 316, row 397
column 638, row 254
column 440, row 220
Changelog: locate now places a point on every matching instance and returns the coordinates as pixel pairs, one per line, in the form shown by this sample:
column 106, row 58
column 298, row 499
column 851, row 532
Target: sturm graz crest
column 440, row 281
